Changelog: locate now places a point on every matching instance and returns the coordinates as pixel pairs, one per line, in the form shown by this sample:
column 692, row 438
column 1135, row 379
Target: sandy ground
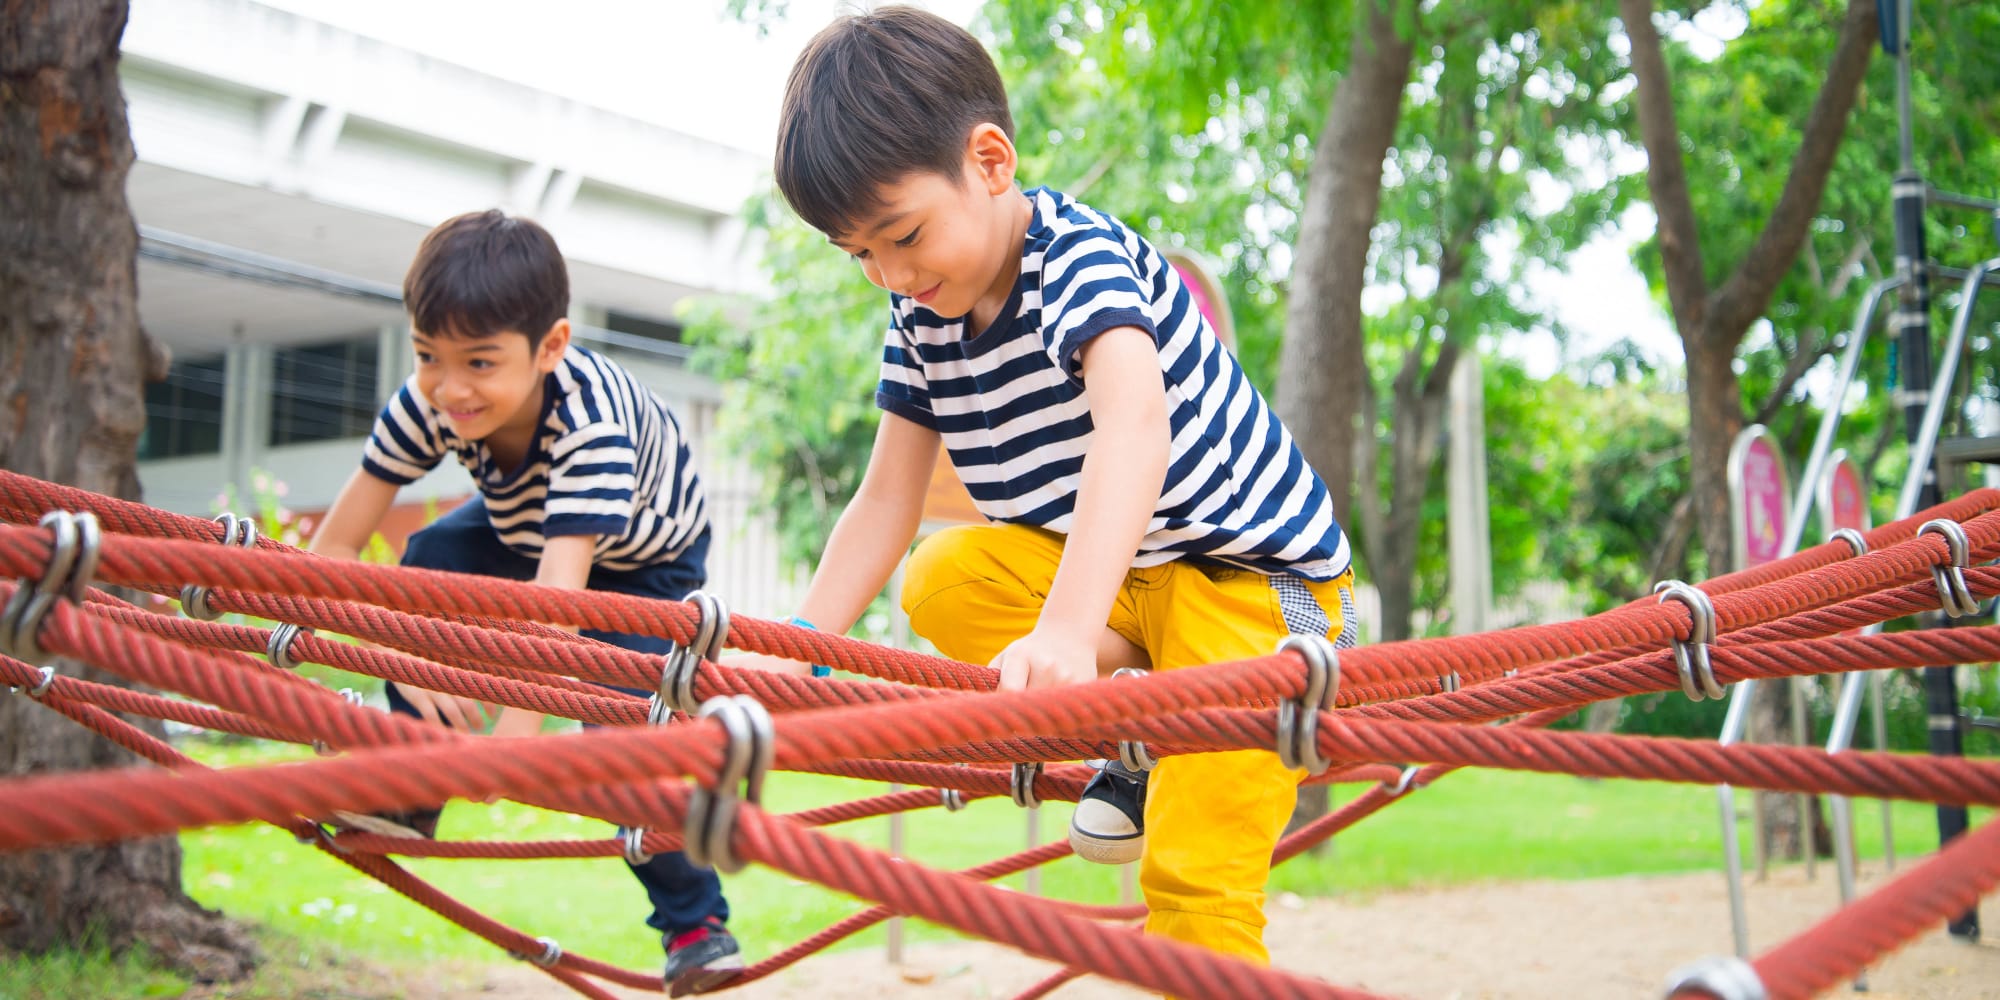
column 1604, row 938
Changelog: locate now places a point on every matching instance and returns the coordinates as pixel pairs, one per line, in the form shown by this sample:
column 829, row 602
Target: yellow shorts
column 1211, row 819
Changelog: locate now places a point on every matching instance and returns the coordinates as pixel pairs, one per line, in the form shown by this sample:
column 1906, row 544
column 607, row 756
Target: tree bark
column 72, row 364
column 1322, row 372
column 1321, row 365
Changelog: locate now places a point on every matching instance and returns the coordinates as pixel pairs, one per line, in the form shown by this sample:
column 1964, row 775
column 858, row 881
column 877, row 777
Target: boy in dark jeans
column 585, row 482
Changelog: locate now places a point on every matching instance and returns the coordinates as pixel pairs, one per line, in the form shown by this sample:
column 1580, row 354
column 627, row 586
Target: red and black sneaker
column 701, row 959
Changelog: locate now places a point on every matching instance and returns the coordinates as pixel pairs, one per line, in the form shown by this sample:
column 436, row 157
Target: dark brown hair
column 484, row 273
column 874, row 98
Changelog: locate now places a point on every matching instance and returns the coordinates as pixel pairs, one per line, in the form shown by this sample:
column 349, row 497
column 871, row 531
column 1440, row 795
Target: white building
column 286, row 171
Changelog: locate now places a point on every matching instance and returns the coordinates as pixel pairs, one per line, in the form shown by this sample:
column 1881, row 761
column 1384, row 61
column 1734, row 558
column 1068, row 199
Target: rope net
column 683, row 768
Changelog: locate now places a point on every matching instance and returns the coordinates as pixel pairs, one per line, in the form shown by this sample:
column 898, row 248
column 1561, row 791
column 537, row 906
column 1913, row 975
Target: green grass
column 322, row 921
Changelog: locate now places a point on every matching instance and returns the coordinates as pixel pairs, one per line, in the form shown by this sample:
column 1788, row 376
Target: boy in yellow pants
column 1149, row 509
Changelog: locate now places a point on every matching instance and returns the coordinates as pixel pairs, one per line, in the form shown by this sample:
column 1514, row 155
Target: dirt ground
column 1605, row 938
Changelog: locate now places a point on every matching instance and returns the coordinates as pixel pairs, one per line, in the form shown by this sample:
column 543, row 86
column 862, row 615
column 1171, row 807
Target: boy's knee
column 940, row 562
column 442, row 545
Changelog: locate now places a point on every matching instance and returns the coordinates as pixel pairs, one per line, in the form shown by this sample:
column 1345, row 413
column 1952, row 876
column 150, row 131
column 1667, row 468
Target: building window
column 324, row 392
column 184, row 411
column 642, row 326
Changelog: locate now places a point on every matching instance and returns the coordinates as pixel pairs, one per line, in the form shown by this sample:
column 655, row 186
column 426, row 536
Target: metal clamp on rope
column 953, row 799
column 1724, row 977
column 353, row 697
column 551, row 953
column 1298, row 719
column 72, row 565
column 634, row 839
column 1022, row 785
column 1955, row 597
column 711, row 814
column 1404, row 782
column 1852, row 538
column 240, row 531
column 676, row 692
column 1449, row 682
column 1132, row 753
column 1691, row 654
column 279, row 649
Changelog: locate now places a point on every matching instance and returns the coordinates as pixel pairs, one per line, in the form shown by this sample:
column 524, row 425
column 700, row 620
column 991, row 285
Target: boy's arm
column 354, row 516
column 342, row 534
column 566, row 562
column 1121, row 482
column 872, row 535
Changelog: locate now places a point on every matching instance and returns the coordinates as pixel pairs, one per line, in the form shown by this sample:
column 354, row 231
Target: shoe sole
column 706, row 978
column 1102, row 850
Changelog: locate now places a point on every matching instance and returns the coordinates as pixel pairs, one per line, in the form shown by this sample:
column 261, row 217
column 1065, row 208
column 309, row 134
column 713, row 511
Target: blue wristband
column 819, row 669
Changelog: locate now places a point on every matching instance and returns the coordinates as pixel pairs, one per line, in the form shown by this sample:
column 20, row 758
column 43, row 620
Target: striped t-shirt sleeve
column 1090, row 284
column 592, row 478
column 903, row 390
column 406, row 442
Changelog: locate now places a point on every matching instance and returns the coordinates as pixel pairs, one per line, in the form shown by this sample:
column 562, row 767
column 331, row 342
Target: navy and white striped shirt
column 610, row 460
column 1009, row 403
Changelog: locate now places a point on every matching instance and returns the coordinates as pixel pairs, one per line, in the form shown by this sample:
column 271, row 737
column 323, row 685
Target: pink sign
column 1845, row 501
column 1760, row 499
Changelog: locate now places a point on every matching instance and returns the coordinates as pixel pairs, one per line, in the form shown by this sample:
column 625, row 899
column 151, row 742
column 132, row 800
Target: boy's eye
column 858, row 254
column 479, row 364
column 911, row 239
column 424, row 357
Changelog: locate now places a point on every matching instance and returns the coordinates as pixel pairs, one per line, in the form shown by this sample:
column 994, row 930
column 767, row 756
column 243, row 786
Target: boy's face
column 952, row 243
column 485, row 385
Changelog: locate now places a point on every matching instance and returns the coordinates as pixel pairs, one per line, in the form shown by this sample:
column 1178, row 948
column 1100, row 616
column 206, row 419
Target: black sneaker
column 701, row 959
column 415, row 823
column 1109, row 826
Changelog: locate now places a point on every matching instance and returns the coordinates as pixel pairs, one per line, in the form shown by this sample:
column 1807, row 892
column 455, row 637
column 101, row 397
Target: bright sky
column 688, row 65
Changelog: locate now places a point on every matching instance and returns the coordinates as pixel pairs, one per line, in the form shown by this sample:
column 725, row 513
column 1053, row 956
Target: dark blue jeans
column 463, row 541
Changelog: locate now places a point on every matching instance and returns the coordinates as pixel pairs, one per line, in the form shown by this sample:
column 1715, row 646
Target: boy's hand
column 462, row 714
column 1039, row 659
column 760, row 661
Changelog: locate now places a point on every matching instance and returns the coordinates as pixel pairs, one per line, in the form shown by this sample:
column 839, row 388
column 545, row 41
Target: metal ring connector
column 1953, row 595
column 952, row 798
column 634, row 839
column 551, row 953
column 1132, row 753
column 42, row 687
column 711, row 814
column 1298, row 719
column 72, row 564
column 676, row 693
column 1404, row 782
column 279, row 648
column 1852, row 538
column 1022, row 785
column 239, row 531
column 1724, row 977
column 352, row 697
column 1691, row 653
column 1449, row 682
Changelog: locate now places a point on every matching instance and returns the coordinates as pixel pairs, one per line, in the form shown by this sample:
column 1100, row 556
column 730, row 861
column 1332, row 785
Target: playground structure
column 1401, row 715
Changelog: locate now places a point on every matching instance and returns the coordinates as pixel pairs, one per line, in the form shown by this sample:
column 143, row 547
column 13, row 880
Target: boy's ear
column 990, row 155
column 554, row 344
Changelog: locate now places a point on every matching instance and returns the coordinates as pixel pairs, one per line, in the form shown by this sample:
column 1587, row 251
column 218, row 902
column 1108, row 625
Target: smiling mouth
column 928, row 294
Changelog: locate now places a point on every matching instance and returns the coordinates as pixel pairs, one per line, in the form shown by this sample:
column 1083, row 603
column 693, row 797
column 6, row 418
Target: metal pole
column 1795, row 687
column 1032, row 881
column 1913, row 328
column 895, row 942
column 1878, row 693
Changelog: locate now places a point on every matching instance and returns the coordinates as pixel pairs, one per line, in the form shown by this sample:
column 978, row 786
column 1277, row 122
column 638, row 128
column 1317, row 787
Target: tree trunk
column 1712, row 323
column 1322, row 373
column 1321, row 367
column 1418, row 412
column 72, row 364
